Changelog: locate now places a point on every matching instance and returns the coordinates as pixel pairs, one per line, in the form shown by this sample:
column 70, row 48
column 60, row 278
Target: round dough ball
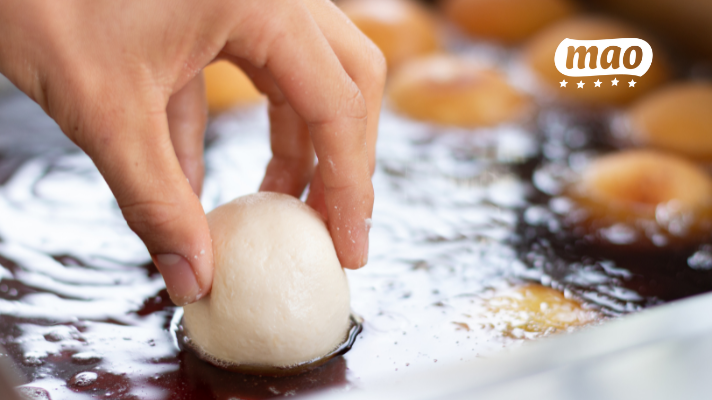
column 539, row 55
column 632, row 184
column 506, row 21
column 402, row 29
column 451, row 90
column 280, row 297
column 227, row 86
column 677, row 118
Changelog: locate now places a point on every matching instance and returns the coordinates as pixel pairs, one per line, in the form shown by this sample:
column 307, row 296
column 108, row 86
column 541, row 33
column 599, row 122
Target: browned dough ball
column 402, row 29
column 451, row 90
column 636, row 185
column 539, row 56
column 505, row 21
column 677, row 118
column 537, row 309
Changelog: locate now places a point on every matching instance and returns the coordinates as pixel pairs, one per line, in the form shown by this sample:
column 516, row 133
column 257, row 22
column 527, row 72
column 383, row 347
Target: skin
column 123, row 81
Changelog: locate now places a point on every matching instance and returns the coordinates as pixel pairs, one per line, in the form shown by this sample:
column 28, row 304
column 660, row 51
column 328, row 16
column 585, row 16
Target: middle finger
column 292, row 164
column 360, row 58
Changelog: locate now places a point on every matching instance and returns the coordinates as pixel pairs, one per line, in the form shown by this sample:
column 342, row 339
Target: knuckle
column 257, row 50
column 354, row 104
column 147, row 217
column 266, row 31
column 276, row 97
column 349, row 105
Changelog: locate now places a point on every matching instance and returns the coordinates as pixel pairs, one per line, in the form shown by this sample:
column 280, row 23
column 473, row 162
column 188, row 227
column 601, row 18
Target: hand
column 122, row 80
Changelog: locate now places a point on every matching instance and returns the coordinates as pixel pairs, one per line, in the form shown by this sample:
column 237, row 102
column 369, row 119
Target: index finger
column 293, row 49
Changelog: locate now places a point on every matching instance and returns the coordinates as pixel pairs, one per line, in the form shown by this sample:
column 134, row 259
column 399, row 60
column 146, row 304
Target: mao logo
column 626, row 56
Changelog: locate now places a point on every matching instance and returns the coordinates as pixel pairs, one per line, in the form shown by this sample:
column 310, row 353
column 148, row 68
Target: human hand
column 122, row 80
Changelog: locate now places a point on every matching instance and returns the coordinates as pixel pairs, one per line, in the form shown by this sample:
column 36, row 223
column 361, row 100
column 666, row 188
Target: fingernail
column 179, row 277
column 364, row 255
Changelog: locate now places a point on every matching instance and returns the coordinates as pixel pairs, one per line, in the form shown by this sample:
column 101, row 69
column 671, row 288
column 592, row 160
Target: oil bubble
column 85, row 358
column 83, row 379
column 33, row 393
column 702, row 259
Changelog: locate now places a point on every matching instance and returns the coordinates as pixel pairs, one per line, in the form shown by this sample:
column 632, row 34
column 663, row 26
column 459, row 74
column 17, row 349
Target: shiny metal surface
column 660, row 353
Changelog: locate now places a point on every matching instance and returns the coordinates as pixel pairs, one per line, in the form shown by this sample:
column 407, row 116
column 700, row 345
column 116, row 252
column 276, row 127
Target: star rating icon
column 597, row 84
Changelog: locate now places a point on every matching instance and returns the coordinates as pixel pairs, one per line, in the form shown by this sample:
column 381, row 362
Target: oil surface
column 619, row 266
column 183, row 338
column 460, row 218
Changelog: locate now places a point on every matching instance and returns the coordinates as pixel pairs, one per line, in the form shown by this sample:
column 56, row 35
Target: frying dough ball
column 226, row 86
column 538, row 309
column 506, row 21
column 677, row 118
column 633, row 184
column 454, row 91
column 402, row 29
column 539, row 55
column 280, row 297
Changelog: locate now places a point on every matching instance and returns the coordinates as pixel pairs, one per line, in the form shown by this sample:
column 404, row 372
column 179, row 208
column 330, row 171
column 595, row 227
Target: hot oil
column 618, row 275
column 183, row 339
column 84, row 314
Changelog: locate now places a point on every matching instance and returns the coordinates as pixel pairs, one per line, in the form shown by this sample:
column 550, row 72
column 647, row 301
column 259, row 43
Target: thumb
column 133, row 151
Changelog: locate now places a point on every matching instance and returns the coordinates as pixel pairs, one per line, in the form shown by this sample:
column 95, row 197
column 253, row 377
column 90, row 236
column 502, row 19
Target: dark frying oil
column 187, row 378
column 355, row 327
column 618, row 278
column 88, row 346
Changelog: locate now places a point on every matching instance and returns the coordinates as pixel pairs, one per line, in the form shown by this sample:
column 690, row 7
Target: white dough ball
column 280, row 297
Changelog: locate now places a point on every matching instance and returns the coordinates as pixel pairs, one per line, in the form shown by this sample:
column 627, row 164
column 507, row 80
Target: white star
column 597, row 83
column 563, row 83
column 614, row 82
column 631, row 83
column 580, row 85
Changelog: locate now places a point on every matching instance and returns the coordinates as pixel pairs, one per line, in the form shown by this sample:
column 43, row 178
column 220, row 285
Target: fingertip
column 350, row 240
column 181, row 281
column 352, row 246
column 349, row 221
column 204, row 266
column 187, row 281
